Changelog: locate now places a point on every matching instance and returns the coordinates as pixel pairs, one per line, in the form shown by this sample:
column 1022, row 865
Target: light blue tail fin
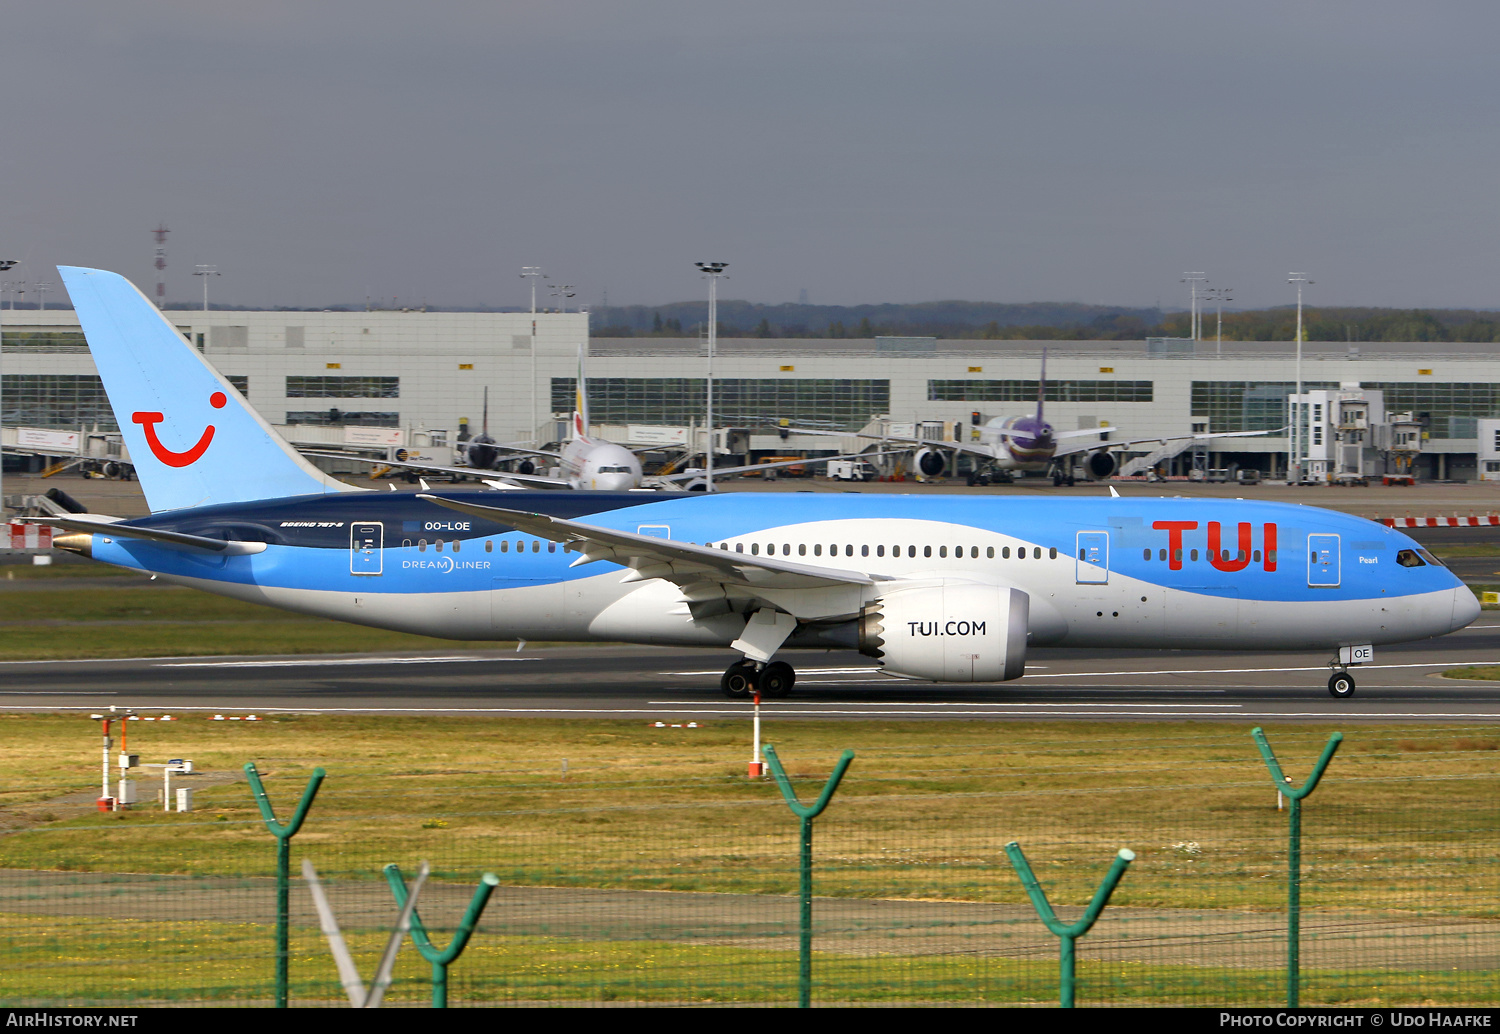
column 192, row 438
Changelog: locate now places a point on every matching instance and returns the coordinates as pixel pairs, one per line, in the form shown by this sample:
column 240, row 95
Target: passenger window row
column 1192, row 554
column 455, row 545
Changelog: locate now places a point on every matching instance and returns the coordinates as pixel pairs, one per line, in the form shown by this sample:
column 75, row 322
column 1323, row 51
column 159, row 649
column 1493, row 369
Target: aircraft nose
column 1465, row 607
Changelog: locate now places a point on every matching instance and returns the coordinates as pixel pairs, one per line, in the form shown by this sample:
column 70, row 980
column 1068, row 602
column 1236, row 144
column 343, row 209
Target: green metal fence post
column 283, row 836
column 806, row 813
column 1068, row 935
column 1294, row 851
column 442, row 958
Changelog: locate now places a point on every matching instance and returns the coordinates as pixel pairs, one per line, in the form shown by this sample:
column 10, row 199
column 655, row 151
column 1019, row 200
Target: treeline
column 1349, row 324
column 1041, row 321
column 952, row 319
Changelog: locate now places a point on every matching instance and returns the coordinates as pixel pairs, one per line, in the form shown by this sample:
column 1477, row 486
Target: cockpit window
column 1409, row 558
column 1434, row 561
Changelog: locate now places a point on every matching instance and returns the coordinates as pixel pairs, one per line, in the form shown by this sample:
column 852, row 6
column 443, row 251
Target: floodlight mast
column 6, row 265
column 1298, row 435
column 532, row 273
column 1220, row 295
column 1193, row 280
column 711, row 271
column 205, row 272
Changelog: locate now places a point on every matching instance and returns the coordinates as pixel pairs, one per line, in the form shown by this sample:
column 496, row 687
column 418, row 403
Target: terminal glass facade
column 338, row 418
column 845, row 405
column 1247, row 405
column 969, row 390
column 63, row 401
column 298, row 387
column 45, row 339
column 1452, row 407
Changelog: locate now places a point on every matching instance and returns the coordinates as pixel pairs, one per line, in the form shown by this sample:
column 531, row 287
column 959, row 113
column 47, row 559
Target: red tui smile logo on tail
column 148, row 422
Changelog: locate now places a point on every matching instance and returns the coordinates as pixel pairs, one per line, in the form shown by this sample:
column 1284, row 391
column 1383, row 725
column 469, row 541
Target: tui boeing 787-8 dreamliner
column 953, row 588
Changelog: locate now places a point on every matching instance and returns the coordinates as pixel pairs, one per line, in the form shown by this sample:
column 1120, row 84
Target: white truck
column 850, row 470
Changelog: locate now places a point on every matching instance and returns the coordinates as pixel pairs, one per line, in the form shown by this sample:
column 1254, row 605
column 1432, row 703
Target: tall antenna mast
column 161, row 232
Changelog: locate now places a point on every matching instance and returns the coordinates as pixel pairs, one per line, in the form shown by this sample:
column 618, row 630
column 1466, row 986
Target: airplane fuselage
column 1109, row 572
column 599, row 466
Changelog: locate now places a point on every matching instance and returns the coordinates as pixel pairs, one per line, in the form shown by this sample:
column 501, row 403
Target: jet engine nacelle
column 957, row 632
column 1101, row 464
column 931, row 462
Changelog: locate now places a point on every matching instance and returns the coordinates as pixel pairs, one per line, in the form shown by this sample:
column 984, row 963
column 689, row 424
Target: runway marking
column 1241, row 671
column 939, row 703
column 314, row 662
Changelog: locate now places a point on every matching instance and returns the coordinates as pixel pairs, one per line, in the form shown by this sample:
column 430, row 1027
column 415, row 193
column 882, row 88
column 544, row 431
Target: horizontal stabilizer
column 223, row 547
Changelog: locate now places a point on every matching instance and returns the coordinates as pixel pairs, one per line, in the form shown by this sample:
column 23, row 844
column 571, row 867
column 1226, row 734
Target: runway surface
column 673, row 685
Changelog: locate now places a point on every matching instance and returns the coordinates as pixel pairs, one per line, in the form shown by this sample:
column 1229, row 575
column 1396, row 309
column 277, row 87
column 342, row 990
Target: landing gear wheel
column 1341, row 685
column 739, row 680
column 1057, row 480
column 777, row 679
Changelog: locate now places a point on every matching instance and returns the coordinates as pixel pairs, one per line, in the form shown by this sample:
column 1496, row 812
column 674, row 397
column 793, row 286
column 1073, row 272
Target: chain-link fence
column 654, row 897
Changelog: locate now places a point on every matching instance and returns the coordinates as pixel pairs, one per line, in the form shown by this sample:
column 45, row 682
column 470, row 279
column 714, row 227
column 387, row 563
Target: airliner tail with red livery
column 174, row 409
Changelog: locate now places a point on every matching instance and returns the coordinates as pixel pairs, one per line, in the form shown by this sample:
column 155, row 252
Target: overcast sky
column 1091, row 151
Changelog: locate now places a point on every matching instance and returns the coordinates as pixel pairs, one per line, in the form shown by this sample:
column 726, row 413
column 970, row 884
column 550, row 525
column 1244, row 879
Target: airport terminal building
column 331, row 378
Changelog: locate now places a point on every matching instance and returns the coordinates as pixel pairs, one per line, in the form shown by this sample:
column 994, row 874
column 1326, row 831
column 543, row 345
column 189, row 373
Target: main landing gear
column 741, row 679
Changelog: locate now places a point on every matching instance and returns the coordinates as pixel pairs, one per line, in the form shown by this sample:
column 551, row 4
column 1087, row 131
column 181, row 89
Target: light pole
column 532, row 273
column 711, row 271
column 41, row 287
column 205, row 272
column 1220, row 295
column 1298, row 435
column 5, row 264
column 1193, row 280
column 562, row 292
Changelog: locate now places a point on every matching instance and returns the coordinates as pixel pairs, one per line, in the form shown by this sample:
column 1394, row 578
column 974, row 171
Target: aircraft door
column 655, row 531
column 1092, row 557
column 365, row 543
column 1323, row 568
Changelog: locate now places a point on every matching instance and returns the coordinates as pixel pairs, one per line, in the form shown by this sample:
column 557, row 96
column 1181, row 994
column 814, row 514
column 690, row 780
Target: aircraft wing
column 530, row 480
column 1069, row 450
column 518, row 447
column 98, row 526
column 681, row 562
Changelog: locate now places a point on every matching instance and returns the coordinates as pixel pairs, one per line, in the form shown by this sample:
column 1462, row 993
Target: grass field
column 1400, row 844
column 136, row 620
column 925, row 808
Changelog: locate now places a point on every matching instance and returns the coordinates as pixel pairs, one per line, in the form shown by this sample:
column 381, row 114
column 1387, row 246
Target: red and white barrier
column 1489, row 521
column 30, row 536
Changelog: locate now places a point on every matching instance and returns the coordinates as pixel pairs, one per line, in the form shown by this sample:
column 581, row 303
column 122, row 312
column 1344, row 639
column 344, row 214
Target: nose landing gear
column 1341, row 685
column 742, row 678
